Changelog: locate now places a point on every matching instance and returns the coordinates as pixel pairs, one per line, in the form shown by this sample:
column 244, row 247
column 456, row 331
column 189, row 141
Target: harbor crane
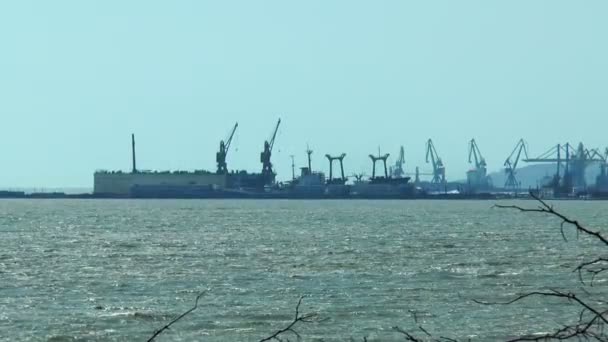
column 375, row 159
column 438, row 168
column 477, row 178
column 511, row 164
column 267, row 172
column 340, row 159
column 397, row 170
column 554, row 155
column 474, row 152
column 220, row 157
column 575, row 164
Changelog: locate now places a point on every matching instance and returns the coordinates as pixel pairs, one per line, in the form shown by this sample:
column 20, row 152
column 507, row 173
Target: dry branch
column 544, row 207
column 166, row 327
column 592, row 320
column 306, row 318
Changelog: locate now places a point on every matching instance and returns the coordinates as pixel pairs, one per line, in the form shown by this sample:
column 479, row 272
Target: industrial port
column 387, row 180
column 568, row 164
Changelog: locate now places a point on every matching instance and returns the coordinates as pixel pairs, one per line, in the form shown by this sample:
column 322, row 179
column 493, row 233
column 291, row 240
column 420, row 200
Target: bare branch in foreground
column 166, row 327
column 410, row 337
column 554, row 293
column 306, row 318
column 548, row 209
column 591, row 321
column 593, row 268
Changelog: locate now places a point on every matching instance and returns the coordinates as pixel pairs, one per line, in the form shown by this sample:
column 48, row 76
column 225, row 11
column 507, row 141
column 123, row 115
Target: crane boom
column 519, row 148
column 229, row 141
column 511, row 164
column 522, row 148
column 431, row 152
column 475, row 152
column 274, row 135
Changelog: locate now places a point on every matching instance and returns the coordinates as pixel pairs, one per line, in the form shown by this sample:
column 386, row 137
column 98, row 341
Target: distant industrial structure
column 511, row 165
column 394, row 182
column 477, row 177
column 571, row 166
column 438, row 168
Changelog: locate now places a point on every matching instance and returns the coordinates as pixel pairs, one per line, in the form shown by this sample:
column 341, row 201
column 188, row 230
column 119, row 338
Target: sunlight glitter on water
column 117, row 270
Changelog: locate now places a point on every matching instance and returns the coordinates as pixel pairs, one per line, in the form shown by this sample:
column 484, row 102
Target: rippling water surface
column 114, row 270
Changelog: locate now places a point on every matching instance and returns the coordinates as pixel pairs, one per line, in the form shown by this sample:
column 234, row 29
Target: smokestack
column 133, row 152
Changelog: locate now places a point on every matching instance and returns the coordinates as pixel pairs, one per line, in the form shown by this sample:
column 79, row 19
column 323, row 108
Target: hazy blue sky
column 77, row 77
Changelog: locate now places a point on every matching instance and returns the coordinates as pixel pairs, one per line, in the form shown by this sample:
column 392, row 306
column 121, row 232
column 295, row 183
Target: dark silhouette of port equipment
column 574, row 166
column 293, row 167
column 309, row 154
column 358, row 177
column 417, row 174
column 331, row 160
column 268, row 174
column 133, row 160
column 601, row 182
column 477, row 178
column 220, row 158
column 438, row 167
column 512, row 162
column 397, row 171
column 376, row 159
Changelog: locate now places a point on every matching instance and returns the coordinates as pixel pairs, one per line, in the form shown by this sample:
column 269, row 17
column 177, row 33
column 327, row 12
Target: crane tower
column 512, row 162
column 220, row 157
column 477, row 177
column 397, row 171
column 435, row 160
column 267, row 172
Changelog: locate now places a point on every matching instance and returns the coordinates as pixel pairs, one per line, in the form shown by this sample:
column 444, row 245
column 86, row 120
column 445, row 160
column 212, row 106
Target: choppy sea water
column 114, row 270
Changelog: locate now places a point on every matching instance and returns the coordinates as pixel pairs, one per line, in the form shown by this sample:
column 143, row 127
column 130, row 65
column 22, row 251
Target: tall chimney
column 133, row 152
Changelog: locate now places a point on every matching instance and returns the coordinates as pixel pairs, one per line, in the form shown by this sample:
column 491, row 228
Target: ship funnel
column 133, row 153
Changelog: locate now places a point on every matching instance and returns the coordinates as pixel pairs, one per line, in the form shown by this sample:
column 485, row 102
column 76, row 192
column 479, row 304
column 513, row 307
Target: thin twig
column 166, row 327
column 307, row 318
column 548, row 209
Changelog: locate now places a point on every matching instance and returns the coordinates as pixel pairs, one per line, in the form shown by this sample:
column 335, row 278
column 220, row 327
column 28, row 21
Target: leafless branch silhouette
column 306, row 318
column 166, row 327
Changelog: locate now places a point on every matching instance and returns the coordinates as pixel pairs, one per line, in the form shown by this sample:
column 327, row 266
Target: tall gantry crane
column 375, row 159
column 554, row 155
column 267, row 172
column 575, row 163
column 220, row 157
column 511, row 164
column 340, row 160
column 397, row 170
column 438, row 168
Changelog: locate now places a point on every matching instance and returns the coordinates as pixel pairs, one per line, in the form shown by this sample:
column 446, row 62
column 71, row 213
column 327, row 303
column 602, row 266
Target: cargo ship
column 241, row 184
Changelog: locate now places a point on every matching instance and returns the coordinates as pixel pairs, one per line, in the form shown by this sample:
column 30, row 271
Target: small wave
column 62, row 338
column 135, row 314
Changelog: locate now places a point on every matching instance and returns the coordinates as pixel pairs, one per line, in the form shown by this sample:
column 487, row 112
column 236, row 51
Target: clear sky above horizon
column 77, row 77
